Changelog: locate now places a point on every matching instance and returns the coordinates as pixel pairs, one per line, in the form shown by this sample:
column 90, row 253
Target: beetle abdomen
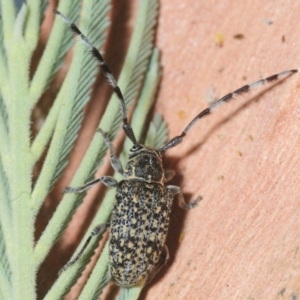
column 138, row 230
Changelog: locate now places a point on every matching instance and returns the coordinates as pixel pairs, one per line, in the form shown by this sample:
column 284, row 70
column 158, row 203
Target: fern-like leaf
column 130, row 81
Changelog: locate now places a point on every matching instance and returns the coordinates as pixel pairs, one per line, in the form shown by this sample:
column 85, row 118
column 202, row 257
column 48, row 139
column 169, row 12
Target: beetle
column 141, row 212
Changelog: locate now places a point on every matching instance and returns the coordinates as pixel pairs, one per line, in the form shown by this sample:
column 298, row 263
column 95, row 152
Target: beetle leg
column 114, row 160
column 98, row 230
column 107, row 180
column 176, row 190
column 164, row 257
column 169, row 174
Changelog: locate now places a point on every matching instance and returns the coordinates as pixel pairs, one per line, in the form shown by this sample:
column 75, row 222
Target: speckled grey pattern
column 138, row 230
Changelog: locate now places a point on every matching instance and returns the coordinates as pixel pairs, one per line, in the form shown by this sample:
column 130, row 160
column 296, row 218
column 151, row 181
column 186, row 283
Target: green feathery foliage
column 20, row 91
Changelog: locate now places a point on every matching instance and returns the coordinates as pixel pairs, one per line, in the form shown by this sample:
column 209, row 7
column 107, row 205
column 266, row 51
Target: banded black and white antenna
column 106, row 71
column 227, row 98
column 177, row 139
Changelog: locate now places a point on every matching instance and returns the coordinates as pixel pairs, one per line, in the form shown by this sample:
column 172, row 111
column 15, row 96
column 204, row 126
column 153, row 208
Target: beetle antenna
column 227, row 98
column 107, row 72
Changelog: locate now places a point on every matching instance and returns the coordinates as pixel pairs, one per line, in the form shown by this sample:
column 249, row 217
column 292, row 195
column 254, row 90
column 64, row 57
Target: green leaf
column 136, row 63
column 20, row 91
column 74, row 94
column 157, row 133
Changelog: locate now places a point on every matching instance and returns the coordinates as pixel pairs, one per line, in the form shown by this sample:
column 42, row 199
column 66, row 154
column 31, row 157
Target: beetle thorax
column 145, row 164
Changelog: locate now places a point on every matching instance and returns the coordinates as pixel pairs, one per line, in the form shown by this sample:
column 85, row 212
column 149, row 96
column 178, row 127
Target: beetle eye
column 135, row 148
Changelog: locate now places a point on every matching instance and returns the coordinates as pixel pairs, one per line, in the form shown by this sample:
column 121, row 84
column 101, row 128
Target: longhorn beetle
column 140, row 216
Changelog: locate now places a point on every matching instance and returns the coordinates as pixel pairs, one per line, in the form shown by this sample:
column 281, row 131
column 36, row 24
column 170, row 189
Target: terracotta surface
column 243, row 239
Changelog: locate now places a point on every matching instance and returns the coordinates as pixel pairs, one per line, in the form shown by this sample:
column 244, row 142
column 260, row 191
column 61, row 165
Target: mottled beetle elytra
column 141, row 212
